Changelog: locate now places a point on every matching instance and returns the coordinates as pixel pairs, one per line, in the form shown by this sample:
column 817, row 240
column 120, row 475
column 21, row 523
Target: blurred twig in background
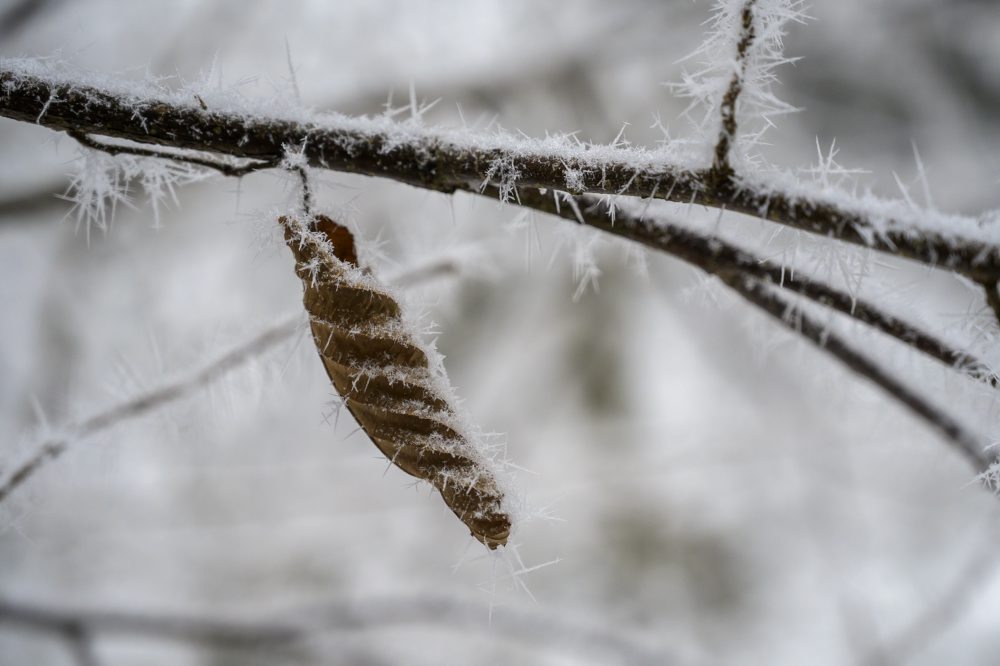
column 429, row 610
column 148, row 402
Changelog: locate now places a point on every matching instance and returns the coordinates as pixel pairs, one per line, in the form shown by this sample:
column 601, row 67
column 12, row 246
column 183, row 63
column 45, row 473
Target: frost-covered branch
column 297, row 626
column 446, row 160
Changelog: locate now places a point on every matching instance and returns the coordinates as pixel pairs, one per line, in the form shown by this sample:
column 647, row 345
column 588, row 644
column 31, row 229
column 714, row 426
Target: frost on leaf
column 393, row 385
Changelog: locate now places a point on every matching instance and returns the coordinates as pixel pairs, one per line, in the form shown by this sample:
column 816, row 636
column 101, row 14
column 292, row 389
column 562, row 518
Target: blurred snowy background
column 725, row 493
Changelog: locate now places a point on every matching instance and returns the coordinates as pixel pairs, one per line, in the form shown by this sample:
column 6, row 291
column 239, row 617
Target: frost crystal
column 101, row 182
column 504, row 174
column 574, row 180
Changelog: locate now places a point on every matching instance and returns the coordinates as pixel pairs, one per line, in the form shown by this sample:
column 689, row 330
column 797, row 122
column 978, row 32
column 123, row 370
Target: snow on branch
column 446, row 160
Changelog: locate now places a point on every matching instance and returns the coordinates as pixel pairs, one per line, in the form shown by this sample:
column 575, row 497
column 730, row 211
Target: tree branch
column 718, row 257
column 170, row 627
column 445, row 160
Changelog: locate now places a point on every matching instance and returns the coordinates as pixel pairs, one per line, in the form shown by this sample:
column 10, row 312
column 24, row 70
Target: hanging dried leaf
column 386, row 379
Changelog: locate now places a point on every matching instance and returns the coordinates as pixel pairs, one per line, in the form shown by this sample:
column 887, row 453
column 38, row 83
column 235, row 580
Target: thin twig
column 307, row 200
column 186, row 157
column 721, row 167
column 226, row 169
column 170, row 627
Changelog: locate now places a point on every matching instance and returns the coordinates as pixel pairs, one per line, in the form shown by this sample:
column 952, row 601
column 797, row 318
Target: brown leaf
column 383, row 375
